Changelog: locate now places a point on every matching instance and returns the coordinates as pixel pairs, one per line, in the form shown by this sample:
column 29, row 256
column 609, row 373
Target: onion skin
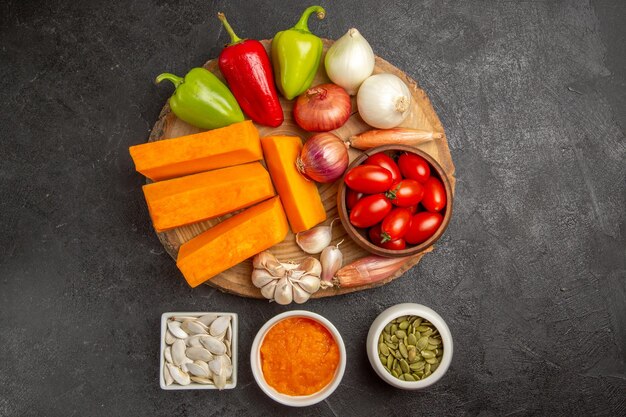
column 395, row 136
column 322, row 108
column 324, row 158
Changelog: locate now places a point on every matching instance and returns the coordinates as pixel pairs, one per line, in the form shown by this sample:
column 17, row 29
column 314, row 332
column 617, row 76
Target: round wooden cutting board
column 236, row 280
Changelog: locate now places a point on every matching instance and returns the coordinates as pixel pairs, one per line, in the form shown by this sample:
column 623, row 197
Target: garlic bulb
column 286, row 282
column 349, row 61
column 316, row 239
column 384, row 101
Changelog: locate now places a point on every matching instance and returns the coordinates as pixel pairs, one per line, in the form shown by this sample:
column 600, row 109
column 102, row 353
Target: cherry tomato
column 434, row 195
column 385, row 161
column 423, row 226
column 395, row 224
column 414, row 167
column 370, row 210
column 406, row 193
column 352, row 197
column 394, row 244
column 374, row 235
column 369, row 179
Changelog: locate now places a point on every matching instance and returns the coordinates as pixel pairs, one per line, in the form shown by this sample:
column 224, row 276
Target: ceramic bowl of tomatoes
column 395, row 201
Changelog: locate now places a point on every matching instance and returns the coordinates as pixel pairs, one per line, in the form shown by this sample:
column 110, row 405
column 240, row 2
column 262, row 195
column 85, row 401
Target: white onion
column 349, row 61
column 384, row 101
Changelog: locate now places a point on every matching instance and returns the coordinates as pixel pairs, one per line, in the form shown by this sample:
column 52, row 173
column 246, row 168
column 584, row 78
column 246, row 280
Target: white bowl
column 303, row 400
column 409, row 309
column 233, row 349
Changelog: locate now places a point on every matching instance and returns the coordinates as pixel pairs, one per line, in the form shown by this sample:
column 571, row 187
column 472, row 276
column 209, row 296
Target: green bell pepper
column 202, row 100
column 296, row 55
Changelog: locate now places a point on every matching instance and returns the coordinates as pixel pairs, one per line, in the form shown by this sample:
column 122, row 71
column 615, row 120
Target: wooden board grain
column 236, row 280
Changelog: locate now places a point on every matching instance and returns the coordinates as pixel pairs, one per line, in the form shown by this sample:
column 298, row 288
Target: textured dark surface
column 530, row 274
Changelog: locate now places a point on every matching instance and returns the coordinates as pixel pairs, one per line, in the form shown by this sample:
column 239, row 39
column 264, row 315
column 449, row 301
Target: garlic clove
column 261, row 277
column 314, row 240
column 283, row 294
column 309, row 283
column 311, row 266
column 331, row 260
column 268, row 290
column 265, row 260
column 300, row 296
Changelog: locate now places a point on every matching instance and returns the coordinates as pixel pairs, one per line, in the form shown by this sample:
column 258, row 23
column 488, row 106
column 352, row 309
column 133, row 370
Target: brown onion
column 324, row 158
column 322, row 108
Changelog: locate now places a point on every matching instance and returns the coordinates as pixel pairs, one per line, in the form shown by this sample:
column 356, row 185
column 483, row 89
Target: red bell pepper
column 247, row 69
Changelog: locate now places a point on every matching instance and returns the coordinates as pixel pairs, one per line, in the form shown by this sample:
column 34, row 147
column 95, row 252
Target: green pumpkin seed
column 408, row 377
column 434, row 367
column 418, row 321
column 387, row 337
column 388, row 328
column 404, row 366
column 427, row 367
column 422, row 343
column 394, row 373
column 383, row 349
column 394, row 328
column 434, row 341
column 400, row 334
column 432, row 360
column 426, row 374
column 390, row 359
column 412, row 354
column 383, row 360
column 422, row 328
column 420, row 373
column 417, row 366
column 404, row 325
column 403, row 351
column 400, row 319
column 380, row 338
column 427, row 354
column 401, row 377
column 411, row 340
column 416, row 376
column 406, row 341
column 427, row 332
column 438, row 352
column 394, row 338
column 392, row 346
column 395, row 364
column 431, row 347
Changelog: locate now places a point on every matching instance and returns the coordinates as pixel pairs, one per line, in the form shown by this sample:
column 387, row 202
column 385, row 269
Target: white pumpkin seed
column 194, row 327
column 207, row 319
column 167, row 376
column 198, row 354
column 178, row 375
column 199, row 380
column 169, row 337
column 174, row 327
column 168, row 354
column 182, row 319
column 219, row 325
column 213, row 345
column 194, row 341
column 178, row 352
column 196, row 369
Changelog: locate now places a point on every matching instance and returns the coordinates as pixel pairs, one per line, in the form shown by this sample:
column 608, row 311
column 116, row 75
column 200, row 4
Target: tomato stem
column 385, row 237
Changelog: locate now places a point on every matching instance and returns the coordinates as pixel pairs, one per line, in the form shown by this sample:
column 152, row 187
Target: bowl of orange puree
column 298, row 358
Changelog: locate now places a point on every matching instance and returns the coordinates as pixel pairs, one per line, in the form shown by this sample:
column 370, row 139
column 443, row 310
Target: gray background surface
column 530, row 274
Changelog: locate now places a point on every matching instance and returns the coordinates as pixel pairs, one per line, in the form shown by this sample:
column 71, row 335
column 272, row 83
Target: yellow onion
column 324, row 158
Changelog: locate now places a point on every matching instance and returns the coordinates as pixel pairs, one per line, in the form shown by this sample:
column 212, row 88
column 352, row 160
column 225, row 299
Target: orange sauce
column 299, row 356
